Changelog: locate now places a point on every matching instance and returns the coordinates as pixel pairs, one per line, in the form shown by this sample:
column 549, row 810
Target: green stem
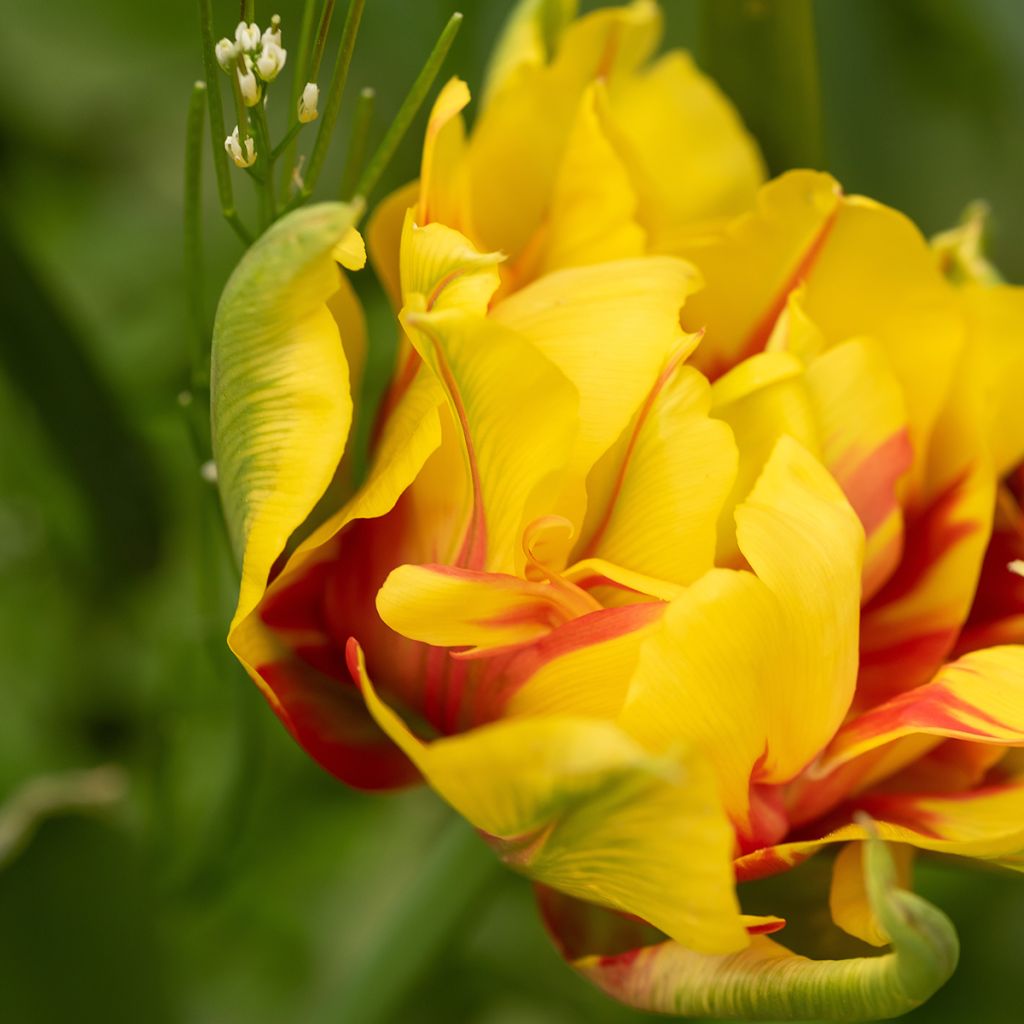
column 321, row 42
column 286, row 147
column 283, row 145
column 448, row 886
column 217, row 132
column 764, row 55
column 247, row 11
column 266, row 150
column 409, row 108
column 192, row 232
column 334, row 95
column 357, row 143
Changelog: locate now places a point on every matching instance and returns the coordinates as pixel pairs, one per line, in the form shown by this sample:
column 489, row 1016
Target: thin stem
column 300, row 76
column 263, row 146
column 217, row 132
column 453, row 876
column 321, row 41
column 247, row 11
column 334, row 95
column 289, row 138
column 409, row 108
column 192, row 233
column 358, row 142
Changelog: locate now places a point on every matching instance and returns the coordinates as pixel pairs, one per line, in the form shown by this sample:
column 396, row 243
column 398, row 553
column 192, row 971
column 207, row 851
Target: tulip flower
column 665, row 569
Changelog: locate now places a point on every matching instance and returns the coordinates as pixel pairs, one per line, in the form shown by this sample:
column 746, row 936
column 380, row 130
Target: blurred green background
column 234, row 881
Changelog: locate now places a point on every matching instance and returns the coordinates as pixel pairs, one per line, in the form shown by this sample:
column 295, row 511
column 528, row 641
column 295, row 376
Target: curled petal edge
column 766, row 981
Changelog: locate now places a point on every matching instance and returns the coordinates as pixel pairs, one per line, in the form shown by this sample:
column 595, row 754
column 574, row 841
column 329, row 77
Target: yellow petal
column 442, row 168
column 350, row 252
column 979, row 697
column 689, row 155
column 758, row 672
column 752, row 264
column 384, row 233
column 911, row 624
column 802, row 538
column 520, row 135
column 449, row 607
column 281, row 405
column 516, row 415
column 627, row 311
column 528, row 39
column 653, row 499
column 577, row 805
column 593, row 206
column 875, row 276
column 862, row 423
column 581, row 668
column 763, row 399
column 995, row 316
column 445, row 270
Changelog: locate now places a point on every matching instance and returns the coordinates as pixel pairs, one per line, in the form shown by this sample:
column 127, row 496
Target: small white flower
column 227, row 53
column 308, row 101
column 242, row 151
column 270, row 61
column 248, row 36
column 272, row 36
column 250, row 88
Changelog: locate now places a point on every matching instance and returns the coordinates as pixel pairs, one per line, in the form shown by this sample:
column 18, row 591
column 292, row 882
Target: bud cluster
column 255, row 57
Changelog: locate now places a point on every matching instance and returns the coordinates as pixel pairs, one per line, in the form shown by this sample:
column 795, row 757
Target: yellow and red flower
column 676, row 512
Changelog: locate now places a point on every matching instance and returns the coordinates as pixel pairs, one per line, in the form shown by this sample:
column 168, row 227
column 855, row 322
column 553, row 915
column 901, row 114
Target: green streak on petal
column 768, row 982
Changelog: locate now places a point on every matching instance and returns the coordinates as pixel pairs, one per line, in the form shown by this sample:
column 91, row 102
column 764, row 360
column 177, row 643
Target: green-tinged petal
column 849, row 899
column 281, row 403
column 768, row 982
column 576, row 804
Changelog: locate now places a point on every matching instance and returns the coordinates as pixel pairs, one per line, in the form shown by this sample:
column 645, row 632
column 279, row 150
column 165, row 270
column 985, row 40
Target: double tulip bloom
column 681, row 554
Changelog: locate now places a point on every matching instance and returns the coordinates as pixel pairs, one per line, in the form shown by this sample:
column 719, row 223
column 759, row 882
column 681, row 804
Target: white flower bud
column 270, row 61
column 250, row 88
column 272, row 36
column 308, row 101
column 226, row 53
column 242, row 151
column 248, row 36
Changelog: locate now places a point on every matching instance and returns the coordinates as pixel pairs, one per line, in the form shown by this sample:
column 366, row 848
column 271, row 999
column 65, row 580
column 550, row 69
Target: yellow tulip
column 676, row 509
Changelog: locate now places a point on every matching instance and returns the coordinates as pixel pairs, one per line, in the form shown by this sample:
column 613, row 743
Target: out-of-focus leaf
column 764, row 55
column 43, row 356
column 78, row 940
